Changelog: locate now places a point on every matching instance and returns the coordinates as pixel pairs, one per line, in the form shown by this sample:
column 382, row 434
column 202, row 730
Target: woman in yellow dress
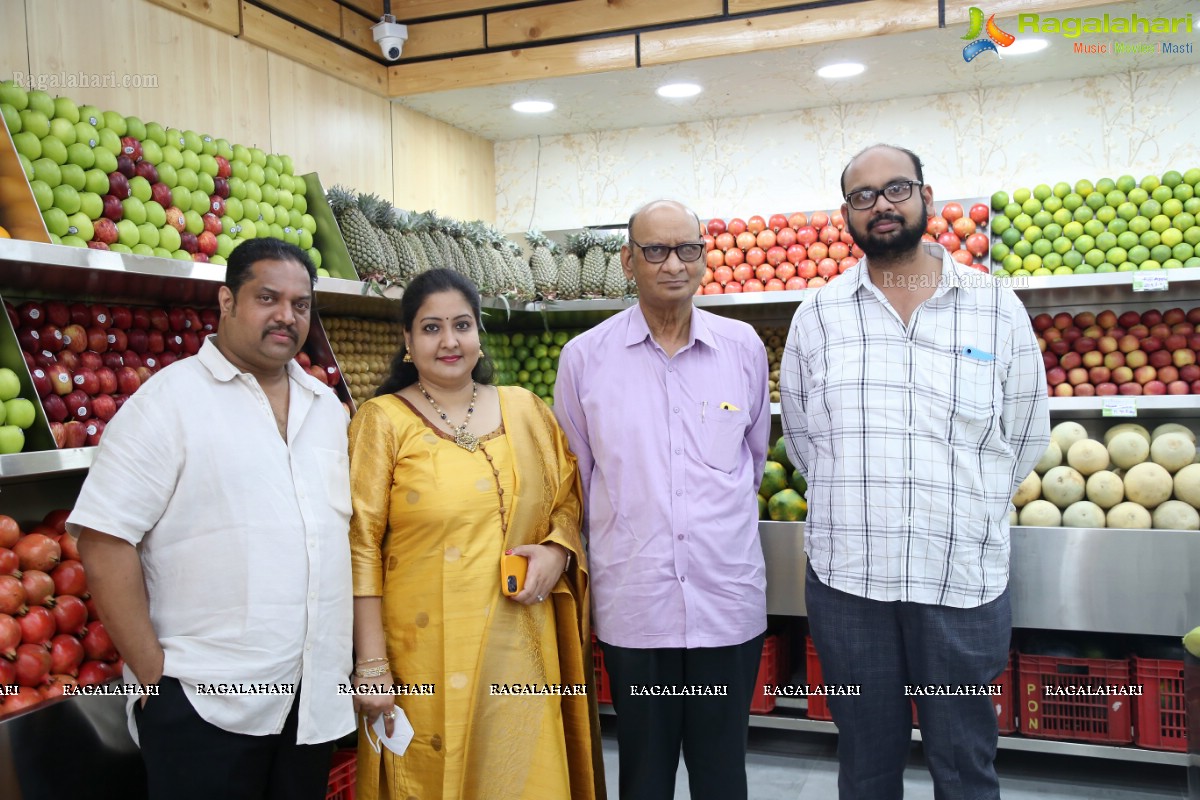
column 448, row 473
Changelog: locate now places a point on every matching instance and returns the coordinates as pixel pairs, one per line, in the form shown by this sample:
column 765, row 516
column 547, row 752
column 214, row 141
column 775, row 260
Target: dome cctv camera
column 390, row 36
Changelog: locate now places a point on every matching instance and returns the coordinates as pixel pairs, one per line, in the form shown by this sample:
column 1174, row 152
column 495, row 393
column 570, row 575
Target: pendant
column 466, row 440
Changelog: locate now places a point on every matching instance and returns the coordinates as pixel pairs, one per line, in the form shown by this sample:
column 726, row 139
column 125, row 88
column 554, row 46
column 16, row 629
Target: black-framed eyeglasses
column 658, row 253
column 897, row 192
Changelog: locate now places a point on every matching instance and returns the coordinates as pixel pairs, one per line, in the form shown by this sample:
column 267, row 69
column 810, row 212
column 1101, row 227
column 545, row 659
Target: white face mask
column 402, row 733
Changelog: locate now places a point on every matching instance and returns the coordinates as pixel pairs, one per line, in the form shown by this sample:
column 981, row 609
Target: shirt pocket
column 970, row 388
column 722, row 434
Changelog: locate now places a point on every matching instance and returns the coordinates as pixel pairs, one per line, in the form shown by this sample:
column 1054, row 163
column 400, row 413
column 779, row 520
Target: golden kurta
column 426, row 536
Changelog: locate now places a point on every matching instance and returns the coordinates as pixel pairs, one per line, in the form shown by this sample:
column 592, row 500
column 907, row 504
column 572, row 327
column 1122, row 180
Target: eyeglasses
column 658, row 253
column 898, row 192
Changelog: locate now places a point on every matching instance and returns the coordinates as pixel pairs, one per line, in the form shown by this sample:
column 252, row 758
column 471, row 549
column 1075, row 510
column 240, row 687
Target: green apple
column 26, row 166
column 286, row 167
column 272, row 177
column 239, row 170
column 309, row 223
column 205, row 184
column 187, row 179
column 218, row 259
column 42, row 103
column 167, row 174
column 275, row 231
column 115, row 123
column 128, row 233
column 182, row 255
column 286, row 183
column 208, row 165
column 249, row 210
column 91, row 204
column 254, row 192
column 66, row 198
column 1160, row 252
column 35, row 122
column 266, row 213
column 81, row 155
column 224, row 245
column 10, row 384
column 301, row 204
column 262, row 229
column 139, row 187
column 283, row 217
column 290, row 236
column 240, row 152
column 3, row 413
column 237, row 189
column 28, row 145
column 257, row 175
column 73, row 241
column 134, row 210
column 175, row 137
column 208, row 145
column 1094, row 257
column 258, row 157
column 13, row 94
column 55, row 239
column 106, row 161
column 12, row 439
column 154, row 133
column 301, row 187
column 171, row 157
column 247, row 230
column 86, row 133
column 168, row 238
column 228, row 225
column 191, row 160
column 1182, row 251
column 46, row 170
column 233, row 209
column 151, row 152
column 43, row 195
column 193, row 142
column 270, row 195
column 285, row 199
column 156, row 215
column 181, row 198
column 148, row 235
column 136, row 128
column 224, row 149
column 295, row 219
column 92, row 116
column 54, row 150
column 274, row 163
column 193, row 222
column 96, row 181
column 1072, row 259
column 306, row 240
column 199, row 202
column 162, row 252
column 63, row 130
column 315, row 255
column 143, row 249
column 1127, row 240
column 81, row 226
column 1150, row 238
column 110, row 141
column 1085, row 242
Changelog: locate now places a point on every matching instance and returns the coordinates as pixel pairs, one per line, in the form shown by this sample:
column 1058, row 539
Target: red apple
column 125, row 166
column 1107, row 319
column 191, row 343
column 127, row 380
column 1060, row 347
column 91, row 360
column 1106, row 389
column 118, row 185
column 1151, row 344
column 1189, row 373
column 174, row 342
column 175, row 219
column 1168, row 373
column 57, row 313
column 216, row 204
column 108, row 380
column 1151, row 317
column 113, row 210
column 137, row 340
column 1070, row 361
column 151, row 362
column 210, row 318
column 1064, row 390
column 131, row 359
column 1196, row 387
column 144, row 374
column 207, row 243
column 117, row 339
column 332, row 376
column 156, row 343
column 1176, row 341
column 221, row 189
column 188, row 243
column 318, row 373
column 121, row 398
column 1173, row 316
column 1085, row 319
column 1093, row 359
column 144, row 169
column 112, row 360
column 199, row 258
column 191, row 320
column 1144, row 375
column 1042, row 321
column 1159, row 358
column 41, row 382
column 1130, row 388
column 1085, row 390
column 1177, row 387
column 96, row 245
column 60, row 379
column 59, row 432
column 161, row 194
column 74, row 434
column 1114, row 359
column 1193, row 316
column 1072, row 334
column 1154, row 387
column 87, row 381
column 1194, row 341
column 1182, row 358
column 101, row 317
column 1063, row 320
column 1098, row 375
column 224, row 170
column 95, row 429
column 1083, row 344
column 166, row 359
column 1093, row 331
column 1077, row 376
column 1122, row 375
column 1052, row 334
column 69, row 360
column 141, row 319
column 159, row 320
column 1127, row 343
column 1129, row 319
column 1160, row 331
column 1055, row 376
column 75, row 337
column 1136, row 359
column 1049, row 360
column 97, row 340
column 212, row 223
column 176, row 319
column 55, row 408
column 79, row 404
column 1185, row 328
column 29, row 340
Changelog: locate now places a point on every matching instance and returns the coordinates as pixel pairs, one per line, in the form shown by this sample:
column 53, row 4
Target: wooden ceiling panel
column 223, row 15
column 584, row 17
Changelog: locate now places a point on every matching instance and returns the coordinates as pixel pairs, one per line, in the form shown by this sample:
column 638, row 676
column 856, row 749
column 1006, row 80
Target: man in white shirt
column 914, row 402
column 214, row 528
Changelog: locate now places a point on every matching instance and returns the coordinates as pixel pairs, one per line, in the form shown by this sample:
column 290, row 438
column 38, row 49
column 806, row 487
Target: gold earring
column 482, row 354
column 407, row 357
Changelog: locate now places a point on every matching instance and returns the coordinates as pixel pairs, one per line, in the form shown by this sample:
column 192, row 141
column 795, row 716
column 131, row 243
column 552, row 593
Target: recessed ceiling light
column 679, row 90
column 846, row 70
column 1022, row 47
column 533, row 106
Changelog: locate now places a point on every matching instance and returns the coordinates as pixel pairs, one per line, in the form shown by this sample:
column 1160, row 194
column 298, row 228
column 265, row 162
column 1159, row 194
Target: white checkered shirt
column 913, row 440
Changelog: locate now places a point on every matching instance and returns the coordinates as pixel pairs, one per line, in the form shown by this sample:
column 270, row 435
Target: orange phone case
column 512, row 574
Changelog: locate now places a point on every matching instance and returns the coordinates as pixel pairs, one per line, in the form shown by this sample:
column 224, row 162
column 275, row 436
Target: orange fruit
column 4, row 234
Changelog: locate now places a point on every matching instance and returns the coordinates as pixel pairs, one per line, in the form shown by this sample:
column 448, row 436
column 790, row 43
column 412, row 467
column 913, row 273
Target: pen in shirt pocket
column 977, row 354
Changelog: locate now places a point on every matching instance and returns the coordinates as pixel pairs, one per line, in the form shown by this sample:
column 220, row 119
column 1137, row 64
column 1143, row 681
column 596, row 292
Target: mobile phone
column 512, row 574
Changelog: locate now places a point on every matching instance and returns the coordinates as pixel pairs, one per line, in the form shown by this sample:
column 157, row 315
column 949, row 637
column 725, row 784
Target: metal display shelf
column 18, row 467
column 1181, row 406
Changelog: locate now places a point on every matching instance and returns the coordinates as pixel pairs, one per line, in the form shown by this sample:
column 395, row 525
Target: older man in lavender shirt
column 667, row 408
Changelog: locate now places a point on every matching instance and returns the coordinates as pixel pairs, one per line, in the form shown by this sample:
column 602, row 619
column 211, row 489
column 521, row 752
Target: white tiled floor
column 793, row 766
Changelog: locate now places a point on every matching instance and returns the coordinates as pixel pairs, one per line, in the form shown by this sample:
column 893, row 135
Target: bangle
column 369, row 661
column 567, row 565
column 373, row 672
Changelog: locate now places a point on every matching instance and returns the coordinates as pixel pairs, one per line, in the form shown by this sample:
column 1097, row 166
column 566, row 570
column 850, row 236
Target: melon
column 1013, row 518
column 1088, row 456
column 1041, row 514
column 1105, row 489
column 1128, row 515
column 1126, row 427
column 1050, row 459
column 1128, row 448
column 1063, row 486
column 1187, row 485
column 1173, row 427
column 1148, row 484
column 1176, row 515
column 1067, row 434
column 1083, row 514
column 1030, row 489
column 1173, row 451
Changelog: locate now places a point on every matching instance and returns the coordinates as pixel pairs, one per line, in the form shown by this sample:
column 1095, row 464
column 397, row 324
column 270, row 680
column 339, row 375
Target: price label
column 1150, row 282
column 1119, row 407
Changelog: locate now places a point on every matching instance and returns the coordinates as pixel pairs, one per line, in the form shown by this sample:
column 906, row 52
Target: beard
column 895, row 243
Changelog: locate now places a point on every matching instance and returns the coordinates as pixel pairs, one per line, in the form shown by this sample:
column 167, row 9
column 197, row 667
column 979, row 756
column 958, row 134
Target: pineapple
column 379, row 213
column 595, row 264
column 361, row 241
column 433, row 252
column 410, row 266
column 503, row 279
column 526, row 290
column 542, row 264
column 408, row 223
column 615, row 285
column 480, row 271
column 569, row 285
column 452, row 229
column 445, row 256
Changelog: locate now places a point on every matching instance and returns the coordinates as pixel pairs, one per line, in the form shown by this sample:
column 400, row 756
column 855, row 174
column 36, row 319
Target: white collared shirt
column 243, row 538
column 913, row 438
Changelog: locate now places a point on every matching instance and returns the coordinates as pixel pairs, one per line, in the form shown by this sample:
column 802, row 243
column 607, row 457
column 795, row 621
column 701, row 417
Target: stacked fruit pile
column 528, row 359
column 364, row 348
column 775, row 254
column 50, row 635
column 781, row 493
column 1112, row 226
column 111, row 182
column 773, row 339
column 961, row 233
column 1150, row 353
column 1135, row 478
column 17, row 414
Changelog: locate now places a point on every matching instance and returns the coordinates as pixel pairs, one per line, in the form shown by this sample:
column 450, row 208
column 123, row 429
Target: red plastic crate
column 342, row 775
column 1160, row 719
column 818, row 708
column 1104, row 719
column 768, row 675
column 603, row 687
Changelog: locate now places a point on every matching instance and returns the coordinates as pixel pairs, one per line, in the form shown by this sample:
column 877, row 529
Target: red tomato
column 766, row 239
column 752, row 285
column 756, row 224
column 764, row 272
column 846, row 263
column 774, row 285
column 949, row 241
column 746, row 240
column 816, row 283
column 786, row 237
column 819, row 219
column 830, row 234
column 724, row 241
column 979, row 213
column 723, row 275
column 838, row 251
column 733, row 287
column 807, row 269
column 797, row 220
column 978, row 244
column 776, row 256
column 716, row 226
column 795, row 284
column 714, row 259
column 756, row 256
column 709, row 243
column 952, row 211
column 936, row 226
column 777, row 222
column 796, row 253
column 708, row 277
column 817, row 251
column 743, row 272
column 963, row 227
column 785, row 271
column 734, row 256
column 827, row 268
column 712, row 288
column 806, row 235
column 963, row 257
column 736, row 226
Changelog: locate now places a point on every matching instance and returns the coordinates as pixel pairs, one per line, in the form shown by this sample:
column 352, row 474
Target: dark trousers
column 712, row 730
column 188, row 758
column 880, row 647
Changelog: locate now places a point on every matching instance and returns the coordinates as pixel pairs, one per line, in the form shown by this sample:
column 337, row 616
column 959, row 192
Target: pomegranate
column 57, row 519
column 8, row 675
column 10, row 532
column 9, row 563
column 66, row 654
column 69, row 546
column 69, row 578
column 33, row 665
column 70, row 615
column 37, row 551
column 39, row 588
column 10, row 637
column 37, row 626
column 93, row 612
column 12, row 596
column 95, row 672
column 26, row 697
column 97, row 645
column 56, row 687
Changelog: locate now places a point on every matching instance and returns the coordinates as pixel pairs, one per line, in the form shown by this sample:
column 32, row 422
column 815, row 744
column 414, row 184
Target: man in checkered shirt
column 914, row 402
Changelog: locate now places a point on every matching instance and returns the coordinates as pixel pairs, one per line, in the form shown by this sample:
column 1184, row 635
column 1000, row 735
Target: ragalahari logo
column 995, row 36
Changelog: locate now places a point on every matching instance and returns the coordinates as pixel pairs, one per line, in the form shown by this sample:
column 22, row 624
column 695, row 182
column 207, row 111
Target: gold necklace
column 499, row 492
column 462, row 437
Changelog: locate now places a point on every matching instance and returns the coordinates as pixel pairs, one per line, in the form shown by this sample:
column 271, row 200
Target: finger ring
column 390, row 715
column 540, row 598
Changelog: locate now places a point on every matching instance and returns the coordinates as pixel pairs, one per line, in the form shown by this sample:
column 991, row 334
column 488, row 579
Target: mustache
column 896, row 218
column 288, row 329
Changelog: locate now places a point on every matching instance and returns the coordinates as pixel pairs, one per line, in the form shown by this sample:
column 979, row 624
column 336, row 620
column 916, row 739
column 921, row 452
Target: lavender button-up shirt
column 671, row 452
